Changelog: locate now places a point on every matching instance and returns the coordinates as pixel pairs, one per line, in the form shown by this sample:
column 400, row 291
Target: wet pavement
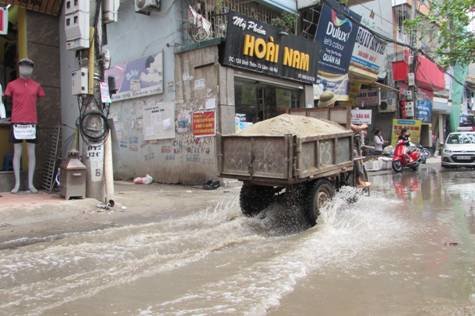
column 408, row 249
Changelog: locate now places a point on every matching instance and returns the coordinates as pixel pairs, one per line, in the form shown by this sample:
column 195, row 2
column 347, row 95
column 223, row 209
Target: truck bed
column 284, row 160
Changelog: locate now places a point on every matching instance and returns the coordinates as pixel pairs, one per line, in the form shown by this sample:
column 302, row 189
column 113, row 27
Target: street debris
column 148, row 179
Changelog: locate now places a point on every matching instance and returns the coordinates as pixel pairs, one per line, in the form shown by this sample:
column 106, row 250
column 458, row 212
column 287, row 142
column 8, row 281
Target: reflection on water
column 408, row 249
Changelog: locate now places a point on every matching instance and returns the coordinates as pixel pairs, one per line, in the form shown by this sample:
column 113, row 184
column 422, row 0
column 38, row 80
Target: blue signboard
column 424, row 110
column 336, row 34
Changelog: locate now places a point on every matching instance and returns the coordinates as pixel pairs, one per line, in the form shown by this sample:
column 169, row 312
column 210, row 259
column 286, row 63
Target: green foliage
column 455, row 43
column 286, row 22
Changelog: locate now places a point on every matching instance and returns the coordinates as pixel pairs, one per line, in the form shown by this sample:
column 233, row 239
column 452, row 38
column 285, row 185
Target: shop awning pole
column 22, row 34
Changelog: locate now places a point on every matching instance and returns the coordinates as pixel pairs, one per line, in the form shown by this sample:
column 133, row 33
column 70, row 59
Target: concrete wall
column 184, row 159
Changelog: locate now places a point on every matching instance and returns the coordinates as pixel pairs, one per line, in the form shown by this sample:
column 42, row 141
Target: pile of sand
column 297, row 125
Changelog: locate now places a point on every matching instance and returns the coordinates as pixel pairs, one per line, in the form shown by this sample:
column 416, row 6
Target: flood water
column 408, row 249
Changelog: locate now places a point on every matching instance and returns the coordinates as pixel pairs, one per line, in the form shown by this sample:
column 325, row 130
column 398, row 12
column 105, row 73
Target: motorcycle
column 406, row 157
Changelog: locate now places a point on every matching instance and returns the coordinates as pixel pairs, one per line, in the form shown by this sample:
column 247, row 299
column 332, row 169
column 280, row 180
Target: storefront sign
column 3, row 21
column 260, row 47
column 138, row 78
column 204, row 123
column 368, row 97
column 412, row 126
column 369, row 51
column 336, row 84
column 361, row 116
column 424, row 110
column 336, row 34
column 159, row 121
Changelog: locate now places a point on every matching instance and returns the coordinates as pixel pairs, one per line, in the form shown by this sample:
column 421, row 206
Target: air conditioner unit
column 146, row 6
column 387, row 105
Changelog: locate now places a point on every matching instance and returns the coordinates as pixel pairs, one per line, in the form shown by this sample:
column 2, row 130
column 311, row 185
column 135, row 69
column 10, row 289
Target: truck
column 308, row 167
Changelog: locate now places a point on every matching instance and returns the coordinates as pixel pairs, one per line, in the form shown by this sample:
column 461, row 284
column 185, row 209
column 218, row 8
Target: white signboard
column 368, row 97
column 95, row 154
column 159, row 121
column 361, row 116
column 369, row 52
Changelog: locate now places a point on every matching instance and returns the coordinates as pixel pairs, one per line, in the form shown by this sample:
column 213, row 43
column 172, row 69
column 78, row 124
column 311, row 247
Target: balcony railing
column 206, row 20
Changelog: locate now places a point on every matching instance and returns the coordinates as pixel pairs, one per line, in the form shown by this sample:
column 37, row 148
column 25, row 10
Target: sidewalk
column 28, row 218
column 432, row 161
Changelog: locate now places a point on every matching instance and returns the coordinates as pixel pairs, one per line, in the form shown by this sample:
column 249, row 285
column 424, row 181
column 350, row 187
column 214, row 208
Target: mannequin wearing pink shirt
column 24, row 93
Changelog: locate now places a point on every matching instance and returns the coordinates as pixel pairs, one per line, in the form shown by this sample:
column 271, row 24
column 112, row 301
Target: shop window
column 257, row 101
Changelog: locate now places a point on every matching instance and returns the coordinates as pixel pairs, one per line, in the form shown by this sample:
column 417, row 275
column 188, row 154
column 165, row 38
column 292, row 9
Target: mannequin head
column 25, row 68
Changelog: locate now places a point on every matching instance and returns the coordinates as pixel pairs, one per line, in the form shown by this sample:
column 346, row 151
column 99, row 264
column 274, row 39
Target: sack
column 24, row 131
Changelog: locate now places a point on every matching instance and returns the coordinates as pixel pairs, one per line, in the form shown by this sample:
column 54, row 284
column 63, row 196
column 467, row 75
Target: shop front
column 272, row 71
column 429, row 79
column 29, row 31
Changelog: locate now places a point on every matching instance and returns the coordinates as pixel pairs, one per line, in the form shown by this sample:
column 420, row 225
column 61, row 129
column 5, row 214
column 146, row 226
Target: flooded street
column 408, row 249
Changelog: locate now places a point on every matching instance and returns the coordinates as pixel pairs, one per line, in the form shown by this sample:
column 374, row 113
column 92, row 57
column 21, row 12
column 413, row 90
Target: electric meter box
column 73, row 6
column 76, row 24
column 77, row 30
column 80, row 81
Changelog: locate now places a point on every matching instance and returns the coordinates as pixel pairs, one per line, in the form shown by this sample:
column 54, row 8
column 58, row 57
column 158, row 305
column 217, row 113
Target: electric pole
column 413, row 60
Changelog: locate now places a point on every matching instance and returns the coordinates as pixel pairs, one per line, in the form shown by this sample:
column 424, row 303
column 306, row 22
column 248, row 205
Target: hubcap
column 321, row 197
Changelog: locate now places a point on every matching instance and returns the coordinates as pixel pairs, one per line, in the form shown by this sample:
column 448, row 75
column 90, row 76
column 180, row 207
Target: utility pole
column 413, row 65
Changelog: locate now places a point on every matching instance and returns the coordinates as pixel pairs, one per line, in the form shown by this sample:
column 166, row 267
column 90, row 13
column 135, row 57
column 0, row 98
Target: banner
column 424, row 110
column 413, row 127
column 204, row 123
column 262, row 48
column 336, row 34
column 339, row 85
column 138, row 78
column 359, row 117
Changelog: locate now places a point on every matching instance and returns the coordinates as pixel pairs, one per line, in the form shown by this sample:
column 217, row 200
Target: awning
column 428, row 74
column 358, row 73
column 286, row 5
column 51, row 7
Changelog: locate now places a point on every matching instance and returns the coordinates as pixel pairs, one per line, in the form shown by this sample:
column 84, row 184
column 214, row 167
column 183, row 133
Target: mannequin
column 24, row 93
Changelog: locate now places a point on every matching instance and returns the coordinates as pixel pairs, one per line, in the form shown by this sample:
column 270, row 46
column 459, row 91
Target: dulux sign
column 336, row 34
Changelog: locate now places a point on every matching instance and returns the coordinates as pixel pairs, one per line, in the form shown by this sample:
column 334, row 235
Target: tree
column 451, row 18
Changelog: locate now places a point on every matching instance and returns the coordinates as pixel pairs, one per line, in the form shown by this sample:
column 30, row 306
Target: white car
column 459, row 150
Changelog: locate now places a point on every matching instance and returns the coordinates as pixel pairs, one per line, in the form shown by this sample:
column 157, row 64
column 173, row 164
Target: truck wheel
column 254, row 198
column 319, row 193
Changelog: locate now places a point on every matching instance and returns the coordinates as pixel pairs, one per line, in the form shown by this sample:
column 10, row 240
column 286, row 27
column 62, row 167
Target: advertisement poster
column 336, row 34
column 413, row 126
column 424, row 110
column 204, row 123
column 369, row 51
column 259, row 47
column 336, row 84
column 159, row 121
column 138, row 78
column 360, row 117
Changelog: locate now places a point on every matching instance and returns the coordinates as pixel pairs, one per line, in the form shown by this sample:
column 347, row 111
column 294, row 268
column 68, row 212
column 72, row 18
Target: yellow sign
column 412, row 126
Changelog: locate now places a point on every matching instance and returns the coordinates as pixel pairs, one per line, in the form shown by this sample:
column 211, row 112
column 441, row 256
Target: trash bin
column 73, row 177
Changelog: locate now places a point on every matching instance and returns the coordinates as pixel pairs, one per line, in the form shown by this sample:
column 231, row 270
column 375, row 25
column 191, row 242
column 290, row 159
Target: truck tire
column 254, row 198
column 318, row 193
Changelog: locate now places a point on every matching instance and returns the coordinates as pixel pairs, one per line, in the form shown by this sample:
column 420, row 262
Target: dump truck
column 306, row 158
